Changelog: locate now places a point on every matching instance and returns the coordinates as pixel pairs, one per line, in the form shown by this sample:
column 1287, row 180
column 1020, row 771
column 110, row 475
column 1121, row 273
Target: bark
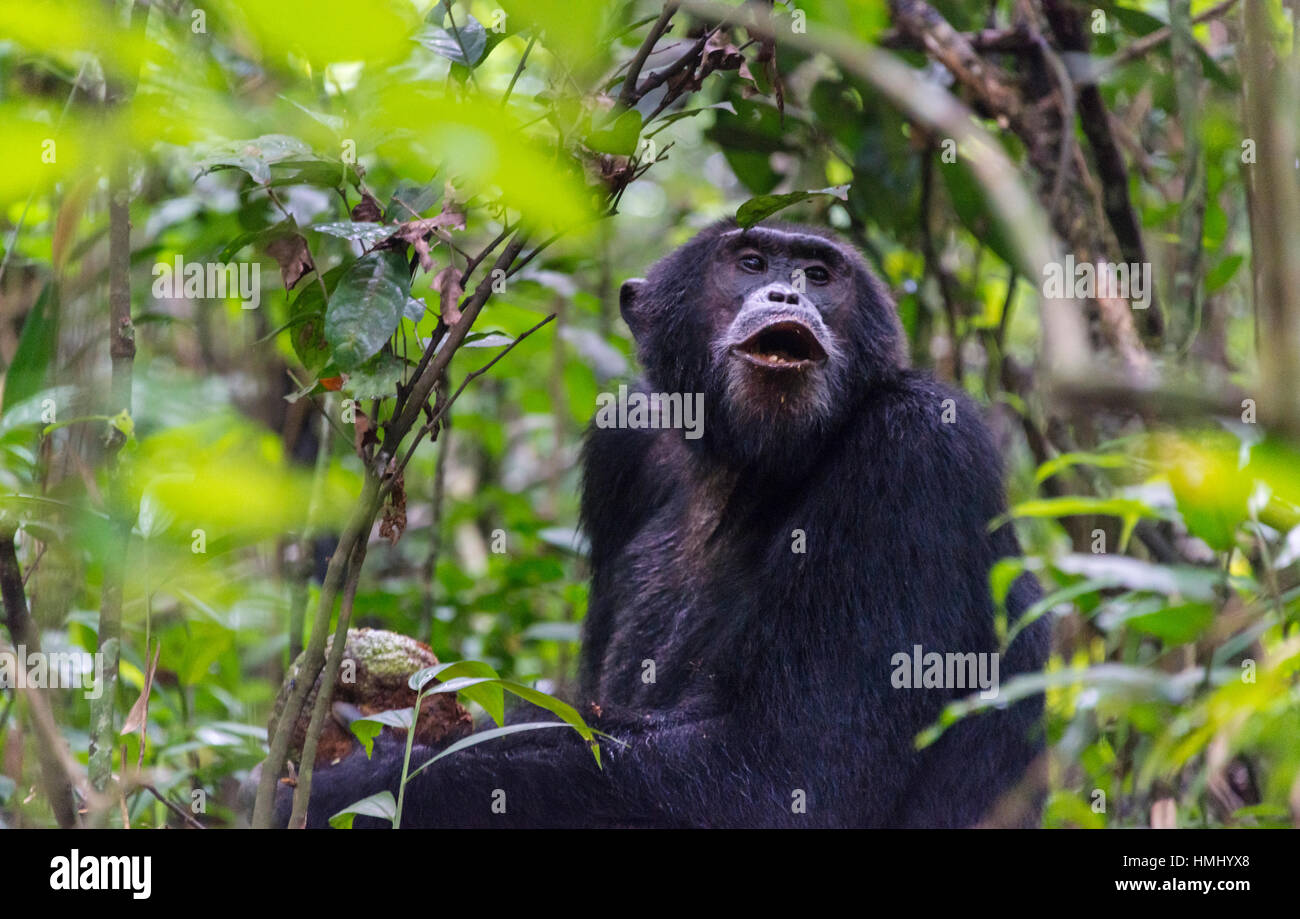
column 121, row 343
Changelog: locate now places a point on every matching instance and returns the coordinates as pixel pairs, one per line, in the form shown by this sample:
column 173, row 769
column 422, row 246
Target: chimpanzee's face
column 780, row 328
column 778, row 305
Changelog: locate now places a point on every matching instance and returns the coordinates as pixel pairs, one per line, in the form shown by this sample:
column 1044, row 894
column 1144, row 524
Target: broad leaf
column 764, row 206
column 37, row 346
column 381, row 804
column 462, row 43
column 366, row 306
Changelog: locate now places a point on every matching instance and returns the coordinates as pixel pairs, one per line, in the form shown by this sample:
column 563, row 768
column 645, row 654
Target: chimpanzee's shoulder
column 915, row 416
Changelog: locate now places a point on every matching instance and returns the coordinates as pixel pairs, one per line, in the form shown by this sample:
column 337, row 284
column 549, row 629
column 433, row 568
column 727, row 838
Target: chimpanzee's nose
column 779, row 293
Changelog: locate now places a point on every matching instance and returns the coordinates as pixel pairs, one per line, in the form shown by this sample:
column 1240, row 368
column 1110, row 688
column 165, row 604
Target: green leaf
column 377, row 377
column 37, row 346
column 367, row 729
column 551, row 704
column 467, row 676
column 753, row 169
column 423, row 677
column 1128, row 510
column 756, row 209
column 1136, row 21
column 1214, row 73
column 1109, row 680
column 254, row 156
column 486, row 340
column 365, row 308
column 307, row 319
column 368, row 234
column 969, row 201
column 749, row 138
column 1172, row 623
column 124, row 424
column 260, row 237
column 619, row 137
column 381, row 804
column 484, row 692
column 324, row 173
column 1068, row 460
column 1120, row 571
column 468, row 51
column 1003, row 575
column 1050, row 602
column 1223, row 272
column 481, row 737
column 438, row 12
column 411, row 199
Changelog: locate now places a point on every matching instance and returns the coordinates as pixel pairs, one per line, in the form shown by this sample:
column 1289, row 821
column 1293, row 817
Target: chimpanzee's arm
column 664, row 775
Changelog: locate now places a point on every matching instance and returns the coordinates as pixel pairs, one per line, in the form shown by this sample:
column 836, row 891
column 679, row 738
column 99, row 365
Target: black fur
column 772, row 668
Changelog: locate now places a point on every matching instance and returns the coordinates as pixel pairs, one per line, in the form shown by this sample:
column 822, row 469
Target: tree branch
column 325, row 696
column 628, row 95
column 51, row 751
column 432, row 423
column 122, row 353
column 1067, row 27
column 1161, row 35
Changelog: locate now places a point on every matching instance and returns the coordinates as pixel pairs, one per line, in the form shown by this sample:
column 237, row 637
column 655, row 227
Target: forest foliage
column 419, row 215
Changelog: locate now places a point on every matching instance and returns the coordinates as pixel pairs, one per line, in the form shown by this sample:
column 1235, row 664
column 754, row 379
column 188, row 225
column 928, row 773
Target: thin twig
column 472, row 263
column 1068, row 106
column 120, row 506
column 518, row 70
column 51, row 751
column 328, row 678
column 628, row 95
column 1161, row 35
column 455, row 33
column 1191, row 218
column 174, row 808
column 443, row 408
column 934, row 264
column 31, row 569
column 660, row 76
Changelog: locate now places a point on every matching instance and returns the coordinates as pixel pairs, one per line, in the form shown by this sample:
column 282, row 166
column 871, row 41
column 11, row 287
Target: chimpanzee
column 769, row 598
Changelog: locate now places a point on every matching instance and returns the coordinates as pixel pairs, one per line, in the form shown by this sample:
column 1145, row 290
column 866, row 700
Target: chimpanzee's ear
column 630, row 305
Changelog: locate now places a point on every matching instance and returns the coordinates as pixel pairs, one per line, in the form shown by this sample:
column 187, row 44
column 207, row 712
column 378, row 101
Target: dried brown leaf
column 393, row 524
column 368, row 210
column 447, row 283
column 291, row 254
column 138, row 717
column 363, row 433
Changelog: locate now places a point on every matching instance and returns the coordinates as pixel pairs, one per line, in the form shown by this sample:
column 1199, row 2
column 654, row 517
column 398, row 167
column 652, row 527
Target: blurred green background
column 1156, row 495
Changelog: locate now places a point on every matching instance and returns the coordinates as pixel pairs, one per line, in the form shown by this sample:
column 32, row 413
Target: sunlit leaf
column 756, row 209
column 381, row 804
column 321, row 31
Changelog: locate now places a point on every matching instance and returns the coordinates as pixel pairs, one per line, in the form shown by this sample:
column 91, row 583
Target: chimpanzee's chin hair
column 747, row 427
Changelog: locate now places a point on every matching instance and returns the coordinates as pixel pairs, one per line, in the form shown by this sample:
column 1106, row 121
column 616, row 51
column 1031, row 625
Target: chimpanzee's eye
column 753, row 263
column 817, row 274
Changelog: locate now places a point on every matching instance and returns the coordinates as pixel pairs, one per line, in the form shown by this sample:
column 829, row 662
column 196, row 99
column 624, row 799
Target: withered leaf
column 416, row 232
column 138, row 717
column 291, row 254
column 447, row 283
column 368, row 210
column 393, row 524
column 363, row 434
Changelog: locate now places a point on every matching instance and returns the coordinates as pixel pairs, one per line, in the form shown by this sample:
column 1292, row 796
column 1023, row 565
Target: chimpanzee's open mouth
column 784, row 345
